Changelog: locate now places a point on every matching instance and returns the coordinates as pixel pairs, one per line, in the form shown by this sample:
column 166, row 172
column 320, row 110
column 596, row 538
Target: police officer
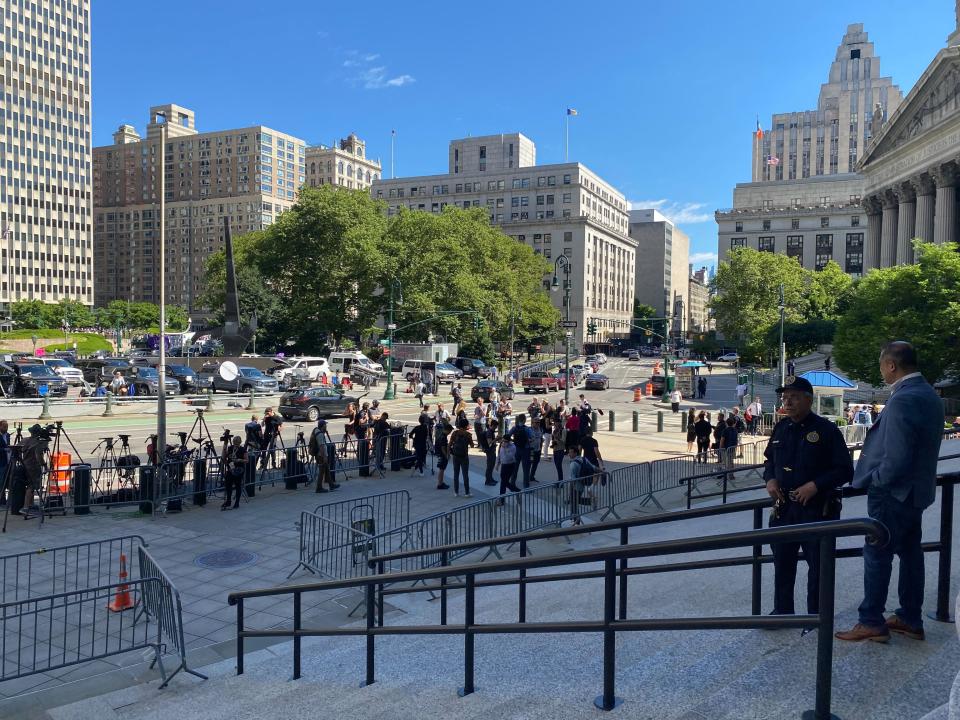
column 806, row 461
column 322, row 449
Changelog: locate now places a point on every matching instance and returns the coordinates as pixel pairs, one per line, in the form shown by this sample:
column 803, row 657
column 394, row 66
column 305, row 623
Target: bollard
column 593, row 421
column 108, row 410
column 250, row 479
column 291, row 471
column 45, row 412
column 659, row 420
column 636, row 421
column 613, row 421
column 200, row 482
column 250, row 401
column 683, row 422
column 209, row 400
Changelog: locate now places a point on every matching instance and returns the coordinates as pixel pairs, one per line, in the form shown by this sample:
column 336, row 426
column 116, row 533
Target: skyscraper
column 45, row 159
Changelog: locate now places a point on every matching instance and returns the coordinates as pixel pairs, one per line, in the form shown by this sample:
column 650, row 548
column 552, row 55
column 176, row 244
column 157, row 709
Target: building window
column 738, row 242
column 566, row 179
column 739, row 226
column 855, row 221
column 824, row 222
column 766, row 224
column 766, row 244
column 795, row 247
column 854, row 256
column 567, row 236
column 795, row 224
column 824, row 251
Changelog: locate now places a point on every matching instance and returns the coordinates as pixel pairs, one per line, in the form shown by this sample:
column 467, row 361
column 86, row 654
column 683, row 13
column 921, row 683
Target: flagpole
column 566, row 144
column 393, row 135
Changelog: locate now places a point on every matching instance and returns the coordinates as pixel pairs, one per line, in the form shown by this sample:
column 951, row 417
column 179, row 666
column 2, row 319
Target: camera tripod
column 122, row 465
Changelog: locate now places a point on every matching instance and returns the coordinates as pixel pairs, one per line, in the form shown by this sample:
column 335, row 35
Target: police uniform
column 797, row 453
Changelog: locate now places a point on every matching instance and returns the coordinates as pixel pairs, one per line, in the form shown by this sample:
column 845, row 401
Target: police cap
column 796, row 383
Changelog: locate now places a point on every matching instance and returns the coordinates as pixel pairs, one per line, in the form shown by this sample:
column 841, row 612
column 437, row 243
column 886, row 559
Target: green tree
column 828, row 293
column 746, row 303
column 641, row 310
column 802, row 337
column 29, row 314
column 919, row 303
column 68, row 312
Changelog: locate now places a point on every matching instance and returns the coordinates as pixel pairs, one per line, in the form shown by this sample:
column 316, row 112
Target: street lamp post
column 389, row 393
column 159, row 446
column 782, row 307
column 555, row 285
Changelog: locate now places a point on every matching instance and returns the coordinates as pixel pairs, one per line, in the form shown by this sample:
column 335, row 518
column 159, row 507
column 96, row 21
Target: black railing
column 614, row 561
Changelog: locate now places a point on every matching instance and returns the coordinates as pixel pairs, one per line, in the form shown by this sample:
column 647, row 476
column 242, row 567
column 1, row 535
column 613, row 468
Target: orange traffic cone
column 636, row 394
column 122, row 599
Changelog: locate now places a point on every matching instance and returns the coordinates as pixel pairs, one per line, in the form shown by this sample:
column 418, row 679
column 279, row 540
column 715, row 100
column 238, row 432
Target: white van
column 342, row 362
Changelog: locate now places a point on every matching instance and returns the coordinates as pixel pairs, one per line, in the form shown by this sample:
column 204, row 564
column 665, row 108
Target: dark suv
column 471, row 367
column 25, row 380
column 98, row 370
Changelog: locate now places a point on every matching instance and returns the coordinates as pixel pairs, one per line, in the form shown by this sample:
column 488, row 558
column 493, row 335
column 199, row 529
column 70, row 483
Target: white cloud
column 701, row 259
column 372, row 77
column 680, row 213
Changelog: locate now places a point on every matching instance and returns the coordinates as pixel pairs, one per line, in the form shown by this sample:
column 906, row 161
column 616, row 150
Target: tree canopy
column 747, row 300
column 919, row 303
column 323, row 273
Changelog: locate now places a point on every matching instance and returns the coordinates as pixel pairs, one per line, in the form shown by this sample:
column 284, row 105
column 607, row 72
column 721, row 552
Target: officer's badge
column 813, row 436
column 789, row 380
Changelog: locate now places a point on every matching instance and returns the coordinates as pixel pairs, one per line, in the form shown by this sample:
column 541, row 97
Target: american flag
column 773, row 160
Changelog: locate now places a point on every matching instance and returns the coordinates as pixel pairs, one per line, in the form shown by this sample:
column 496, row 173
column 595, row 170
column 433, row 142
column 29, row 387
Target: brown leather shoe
column 898, row 626
column 859, row 633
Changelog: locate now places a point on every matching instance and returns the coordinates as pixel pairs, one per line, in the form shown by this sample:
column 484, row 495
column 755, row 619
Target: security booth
column 828, row 389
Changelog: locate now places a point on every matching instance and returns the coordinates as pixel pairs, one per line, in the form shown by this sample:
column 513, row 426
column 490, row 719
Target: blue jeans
column 524, row 456
column 904, row 523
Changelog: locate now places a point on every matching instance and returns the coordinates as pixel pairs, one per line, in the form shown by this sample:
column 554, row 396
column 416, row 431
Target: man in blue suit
column 898, row 467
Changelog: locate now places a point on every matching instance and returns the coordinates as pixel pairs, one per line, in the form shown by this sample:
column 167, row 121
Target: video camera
column 226, row 435
column 47, row 432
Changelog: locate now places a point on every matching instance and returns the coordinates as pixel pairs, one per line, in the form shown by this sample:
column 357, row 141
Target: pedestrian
column 118, row 385
column 537, row 438
column 480, row 419
column 235, row 462
column 460, row 443
column 441, row 448
column 754, row 415
column 420, row 436
column 272, row 424
column 490, row 449
column 717, row 432
column 33, row 453
column 381, row 435
column 701, row 388
column 421, row 389
column 898, row 468
column 583, row 476
column 4, row 459
column 702, row 430
column 522, row 441
column 572, row 427
column 691, row 432
column 504, row 410
column 741, row 392
column 729, row 438
column 507, row 465
column 675, row 398
column 791, row 368
column 456, row 389
column 254, row 434
column 806, row 461
column 826, row 363
column 558, row 445
column 710, row 368
column 591, row 449
column 319, row 447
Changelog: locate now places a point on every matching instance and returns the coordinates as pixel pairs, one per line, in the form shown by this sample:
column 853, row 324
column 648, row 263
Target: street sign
column 568, row 323
column 385, row 341
column 391, row 326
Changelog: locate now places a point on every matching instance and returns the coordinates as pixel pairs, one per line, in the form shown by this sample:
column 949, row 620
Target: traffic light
column 592, row 328
column 477, row 323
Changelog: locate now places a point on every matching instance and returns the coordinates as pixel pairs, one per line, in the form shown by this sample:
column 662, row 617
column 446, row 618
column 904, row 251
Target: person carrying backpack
column 319, row 448
column 584, row 473
column 507, row 464
column 460, row 443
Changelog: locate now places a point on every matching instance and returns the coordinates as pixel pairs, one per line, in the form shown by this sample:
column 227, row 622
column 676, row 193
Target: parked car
column 31, row 380
column 341, row 362
column 540, row 381
column 249, row 378
column 64, row 369
column 634, row 355
column 303, row 368
column 729, row 357
column 561, row 380
column 146, row 381
column 471, row 367
column 596, row 381
column 314, row 403
column 485, row 387
column 447, row 373
column 190, row 382
column 98, row 370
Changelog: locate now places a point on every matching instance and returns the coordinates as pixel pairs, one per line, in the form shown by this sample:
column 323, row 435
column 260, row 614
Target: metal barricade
column 160, row 602
column 65, row 568
column 386, row 510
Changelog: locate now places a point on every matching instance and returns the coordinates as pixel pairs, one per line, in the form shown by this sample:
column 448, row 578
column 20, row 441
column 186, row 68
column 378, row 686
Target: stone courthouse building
column 912, row 165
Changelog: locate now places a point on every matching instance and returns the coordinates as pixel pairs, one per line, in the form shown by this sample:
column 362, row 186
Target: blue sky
column 667, row 93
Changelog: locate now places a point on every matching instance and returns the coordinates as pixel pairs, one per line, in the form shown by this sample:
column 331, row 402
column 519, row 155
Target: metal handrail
column 825, row 532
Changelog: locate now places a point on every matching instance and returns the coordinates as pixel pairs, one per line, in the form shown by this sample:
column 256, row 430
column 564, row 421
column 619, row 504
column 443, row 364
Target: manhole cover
column 230, row 558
